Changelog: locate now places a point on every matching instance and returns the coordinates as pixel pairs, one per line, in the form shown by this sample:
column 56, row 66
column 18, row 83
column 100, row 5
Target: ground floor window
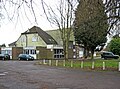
column 58, row 53
column 29, row 51
column 6, row 52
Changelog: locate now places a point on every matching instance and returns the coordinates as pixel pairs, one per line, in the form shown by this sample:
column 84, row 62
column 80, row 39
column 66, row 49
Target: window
column 6, row 52
column 33, row 52
column 34, row 39
column 58, row 53
column 23, row 39
column 29, row 51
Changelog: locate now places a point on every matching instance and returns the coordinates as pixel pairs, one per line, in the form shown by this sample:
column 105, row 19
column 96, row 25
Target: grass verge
column 96, row 64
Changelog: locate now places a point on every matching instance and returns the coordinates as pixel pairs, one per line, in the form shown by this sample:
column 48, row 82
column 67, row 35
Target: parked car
column 107, row 55
column 5, row 56
column 25, row 57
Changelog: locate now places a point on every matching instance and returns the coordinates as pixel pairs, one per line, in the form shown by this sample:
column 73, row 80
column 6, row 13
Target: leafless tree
column 62, row 18
column 113, row 11
column 14, row 8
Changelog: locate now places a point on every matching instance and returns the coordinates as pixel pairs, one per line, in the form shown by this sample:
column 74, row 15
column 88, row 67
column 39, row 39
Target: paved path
column 26, row 75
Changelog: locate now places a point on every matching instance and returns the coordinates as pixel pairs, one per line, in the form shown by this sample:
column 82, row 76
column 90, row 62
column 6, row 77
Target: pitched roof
column 46, row 37
column 57, row 36
column 12, row 44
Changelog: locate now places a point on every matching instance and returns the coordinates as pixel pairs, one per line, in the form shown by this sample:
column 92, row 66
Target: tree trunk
column 92, row 54
column 85, row 52
column 65, row 48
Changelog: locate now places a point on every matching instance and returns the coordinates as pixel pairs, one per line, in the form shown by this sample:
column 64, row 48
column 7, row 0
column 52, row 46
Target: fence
column 94, row 65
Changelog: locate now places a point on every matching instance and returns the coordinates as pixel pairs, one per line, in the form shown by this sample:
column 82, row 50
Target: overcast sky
column 10, row 30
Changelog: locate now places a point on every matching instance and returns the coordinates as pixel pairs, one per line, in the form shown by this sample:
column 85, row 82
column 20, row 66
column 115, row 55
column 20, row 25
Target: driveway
column 27, row 75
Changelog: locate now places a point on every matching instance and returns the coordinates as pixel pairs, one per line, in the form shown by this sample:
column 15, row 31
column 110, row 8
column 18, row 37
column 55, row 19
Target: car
column 25, row 57
column 5, row 56
column 109, row 55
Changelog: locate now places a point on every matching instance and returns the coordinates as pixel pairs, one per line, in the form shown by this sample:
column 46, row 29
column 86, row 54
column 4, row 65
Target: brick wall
column 44, row 53
column 16, row 51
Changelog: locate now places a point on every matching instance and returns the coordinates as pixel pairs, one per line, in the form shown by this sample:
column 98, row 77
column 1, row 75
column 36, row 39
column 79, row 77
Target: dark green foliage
column 114, row 46
column 3, row 45
column 90, row 24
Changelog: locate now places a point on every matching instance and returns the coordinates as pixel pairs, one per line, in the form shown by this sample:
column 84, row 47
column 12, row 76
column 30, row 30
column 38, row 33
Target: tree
column 1, row 15
column 90, row 24
column 3, row 45
column 63, row 19
column 13, row 9
column 114, row 46
column 112, row 9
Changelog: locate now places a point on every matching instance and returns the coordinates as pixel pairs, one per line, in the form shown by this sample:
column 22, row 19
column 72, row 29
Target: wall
column 42, row 52
column 50, row 54
column 30, row 40
column 70, row 53
column 35, row 40
column 16, row 51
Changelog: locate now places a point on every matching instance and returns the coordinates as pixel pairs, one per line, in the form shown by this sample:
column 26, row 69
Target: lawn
column 96, row 64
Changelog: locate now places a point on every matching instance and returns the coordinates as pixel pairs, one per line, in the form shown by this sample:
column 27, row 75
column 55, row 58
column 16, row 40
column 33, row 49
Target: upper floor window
column 34, row 39
column 23, row 39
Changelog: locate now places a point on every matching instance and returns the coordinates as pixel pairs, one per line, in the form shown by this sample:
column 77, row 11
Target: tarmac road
column 26, row 75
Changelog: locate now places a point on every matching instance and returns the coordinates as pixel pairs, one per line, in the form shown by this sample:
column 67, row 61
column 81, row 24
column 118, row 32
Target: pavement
column 27, row 75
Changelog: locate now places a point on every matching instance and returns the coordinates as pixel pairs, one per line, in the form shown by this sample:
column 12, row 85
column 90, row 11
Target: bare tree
column 13, row 9
column 1, row 15
column 113, row 11
column 63, row 19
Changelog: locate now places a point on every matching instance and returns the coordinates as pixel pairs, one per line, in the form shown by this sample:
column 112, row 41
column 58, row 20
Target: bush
column 115, row 46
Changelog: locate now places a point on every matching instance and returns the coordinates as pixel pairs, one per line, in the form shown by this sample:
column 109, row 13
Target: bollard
column 119, row 66
column 103, row 65
column 44, row 61
column 71, row 63
column 93, row 65
column 50, row 62
column 63, row 62
column 82, row 64
column 56, row 62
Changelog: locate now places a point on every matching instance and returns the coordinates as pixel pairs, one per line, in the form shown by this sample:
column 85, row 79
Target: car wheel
column 27, row 59
column 19, row 59
column 3, row 59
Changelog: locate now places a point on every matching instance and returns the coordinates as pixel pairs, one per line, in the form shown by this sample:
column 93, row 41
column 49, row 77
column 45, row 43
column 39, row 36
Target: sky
column 11, row 28
column 17, row 20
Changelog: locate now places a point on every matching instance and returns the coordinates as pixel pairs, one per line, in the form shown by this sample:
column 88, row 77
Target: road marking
column 5, row 72
column 2, row 74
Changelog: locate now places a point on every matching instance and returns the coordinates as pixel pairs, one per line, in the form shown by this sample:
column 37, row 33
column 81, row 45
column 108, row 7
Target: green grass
column 110, row 64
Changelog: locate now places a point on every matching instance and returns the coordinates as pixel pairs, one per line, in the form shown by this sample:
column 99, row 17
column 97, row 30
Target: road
column 27, row 75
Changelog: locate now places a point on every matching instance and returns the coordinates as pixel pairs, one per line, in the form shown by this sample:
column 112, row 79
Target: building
column 41, row 44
